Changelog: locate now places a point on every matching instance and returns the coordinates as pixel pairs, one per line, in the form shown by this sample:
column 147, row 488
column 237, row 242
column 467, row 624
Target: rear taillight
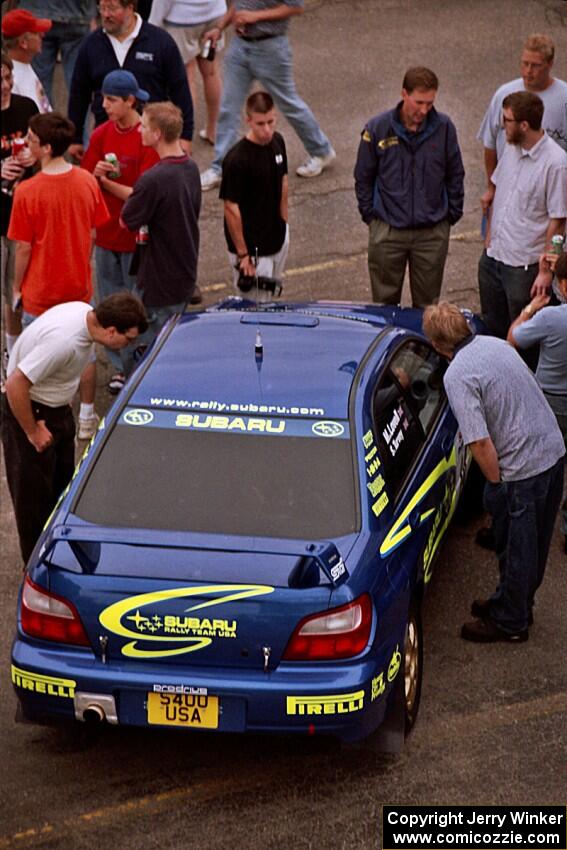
column 332, row 635
column 49, row 617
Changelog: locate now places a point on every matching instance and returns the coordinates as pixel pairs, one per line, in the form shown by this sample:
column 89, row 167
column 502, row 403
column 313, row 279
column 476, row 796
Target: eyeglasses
column 110, row 7
column 509, row 120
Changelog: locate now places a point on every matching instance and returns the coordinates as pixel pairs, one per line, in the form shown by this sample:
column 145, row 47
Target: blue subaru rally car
column 246, row 542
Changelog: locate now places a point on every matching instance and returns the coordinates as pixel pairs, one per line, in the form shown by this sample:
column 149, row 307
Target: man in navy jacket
column 126, row 41
column 409, row 183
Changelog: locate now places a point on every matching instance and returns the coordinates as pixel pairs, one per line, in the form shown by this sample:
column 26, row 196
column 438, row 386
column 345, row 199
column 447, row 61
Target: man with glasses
column 126, row 41
column 44, row 372
column 528, row 196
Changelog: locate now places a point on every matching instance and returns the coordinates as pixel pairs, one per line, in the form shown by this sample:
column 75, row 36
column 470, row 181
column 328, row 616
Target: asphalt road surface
column 493, row 719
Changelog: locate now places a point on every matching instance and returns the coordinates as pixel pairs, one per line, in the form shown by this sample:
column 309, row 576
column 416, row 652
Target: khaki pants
column 390, row 250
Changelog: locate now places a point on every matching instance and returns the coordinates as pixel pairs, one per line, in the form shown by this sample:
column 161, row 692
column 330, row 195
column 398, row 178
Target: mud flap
column 390, row 735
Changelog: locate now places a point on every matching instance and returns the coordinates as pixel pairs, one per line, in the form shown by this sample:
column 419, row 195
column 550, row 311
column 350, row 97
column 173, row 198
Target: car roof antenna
column 256, row 261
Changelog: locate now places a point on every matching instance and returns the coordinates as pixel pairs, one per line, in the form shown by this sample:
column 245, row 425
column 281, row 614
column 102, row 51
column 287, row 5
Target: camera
column 266, row 284
column 208, row 50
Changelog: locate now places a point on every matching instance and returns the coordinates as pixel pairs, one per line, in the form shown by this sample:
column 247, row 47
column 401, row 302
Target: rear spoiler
column 85, row 542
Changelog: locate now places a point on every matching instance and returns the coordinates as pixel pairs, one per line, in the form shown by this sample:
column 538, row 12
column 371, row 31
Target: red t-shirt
column 56, row 213
column 133, row 159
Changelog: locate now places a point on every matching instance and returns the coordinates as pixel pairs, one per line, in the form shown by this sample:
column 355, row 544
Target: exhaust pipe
column 95, row 708
column 93, row 715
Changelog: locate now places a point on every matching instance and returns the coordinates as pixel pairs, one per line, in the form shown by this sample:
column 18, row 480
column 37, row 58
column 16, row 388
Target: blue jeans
column 269, row 62
column 157, row 317
column 63, row 37
column 523, row 515
column 112, row 275
column 559, row 406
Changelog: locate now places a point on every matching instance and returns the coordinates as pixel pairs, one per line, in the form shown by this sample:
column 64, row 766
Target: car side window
column 419, row 370
column 405, row 407
column 398, row 432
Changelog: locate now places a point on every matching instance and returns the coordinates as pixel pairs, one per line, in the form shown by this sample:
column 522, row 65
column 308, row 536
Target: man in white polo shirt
column 44, row 370
column 529, row 207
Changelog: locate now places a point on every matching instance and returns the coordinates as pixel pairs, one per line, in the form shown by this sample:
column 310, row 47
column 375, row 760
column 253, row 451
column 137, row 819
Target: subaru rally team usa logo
column 137, row 416
column 327, row 428
column 149, row 618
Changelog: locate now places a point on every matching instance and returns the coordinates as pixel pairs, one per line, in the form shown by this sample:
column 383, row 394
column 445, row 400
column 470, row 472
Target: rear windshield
column 286, row 481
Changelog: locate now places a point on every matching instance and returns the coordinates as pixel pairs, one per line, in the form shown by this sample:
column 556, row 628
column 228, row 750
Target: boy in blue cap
column 120, row 135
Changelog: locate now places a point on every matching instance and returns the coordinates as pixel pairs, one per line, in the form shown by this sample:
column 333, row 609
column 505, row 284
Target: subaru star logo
column 328, row 429
column 138, row 417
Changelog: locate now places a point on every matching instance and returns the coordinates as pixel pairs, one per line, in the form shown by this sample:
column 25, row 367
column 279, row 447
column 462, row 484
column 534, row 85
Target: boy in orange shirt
column 53, row 218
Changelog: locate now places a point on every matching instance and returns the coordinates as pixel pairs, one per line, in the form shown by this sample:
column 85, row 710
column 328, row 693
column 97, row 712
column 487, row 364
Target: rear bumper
column 347, row 701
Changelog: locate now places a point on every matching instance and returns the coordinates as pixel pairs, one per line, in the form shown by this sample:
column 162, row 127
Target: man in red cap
column 22, row 34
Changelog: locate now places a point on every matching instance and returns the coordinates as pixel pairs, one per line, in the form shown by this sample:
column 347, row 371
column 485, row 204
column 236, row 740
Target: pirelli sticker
column 320, row 705
column 51, row 686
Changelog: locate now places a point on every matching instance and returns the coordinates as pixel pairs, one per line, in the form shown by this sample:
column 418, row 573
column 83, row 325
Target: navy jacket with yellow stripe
column 406, row 179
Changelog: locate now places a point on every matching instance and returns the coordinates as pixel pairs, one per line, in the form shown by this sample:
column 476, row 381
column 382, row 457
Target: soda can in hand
column 113, row 160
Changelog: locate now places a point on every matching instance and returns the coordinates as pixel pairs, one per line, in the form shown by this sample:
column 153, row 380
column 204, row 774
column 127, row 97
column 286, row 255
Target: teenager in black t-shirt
column 254, row 189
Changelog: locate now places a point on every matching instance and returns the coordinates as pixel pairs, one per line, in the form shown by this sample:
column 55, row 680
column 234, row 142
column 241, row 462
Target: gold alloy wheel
column 411, row 663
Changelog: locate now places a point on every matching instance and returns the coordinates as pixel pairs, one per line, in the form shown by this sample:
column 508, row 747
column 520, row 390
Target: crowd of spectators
column 129, row 186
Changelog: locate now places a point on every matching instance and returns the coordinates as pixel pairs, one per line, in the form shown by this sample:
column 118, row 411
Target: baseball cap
column 19, row 21
column 122, row 84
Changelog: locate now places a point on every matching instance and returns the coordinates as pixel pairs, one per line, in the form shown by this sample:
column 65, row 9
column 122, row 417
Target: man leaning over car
column 514, row 437
column 44, row 370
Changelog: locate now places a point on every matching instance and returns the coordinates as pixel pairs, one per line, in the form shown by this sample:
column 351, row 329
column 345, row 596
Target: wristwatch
column 528, row 311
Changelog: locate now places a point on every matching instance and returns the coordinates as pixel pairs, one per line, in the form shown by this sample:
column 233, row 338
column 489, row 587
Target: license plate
column 195, row 710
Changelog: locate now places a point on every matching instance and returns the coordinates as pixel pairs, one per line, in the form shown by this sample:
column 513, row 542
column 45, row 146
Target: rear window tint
column 222, row 483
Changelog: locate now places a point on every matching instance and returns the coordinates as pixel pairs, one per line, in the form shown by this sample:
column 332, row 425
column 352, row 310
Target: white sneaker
column 209, row 179
column 315, row 165
column 87, row 427
column 203, row 136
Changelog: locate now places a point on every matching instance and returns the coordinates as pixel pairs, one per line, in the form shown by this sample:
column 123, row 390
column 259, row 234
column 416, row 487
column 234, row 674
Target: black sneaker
column 481, row 607
column 116, row 383
column 485, row 631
